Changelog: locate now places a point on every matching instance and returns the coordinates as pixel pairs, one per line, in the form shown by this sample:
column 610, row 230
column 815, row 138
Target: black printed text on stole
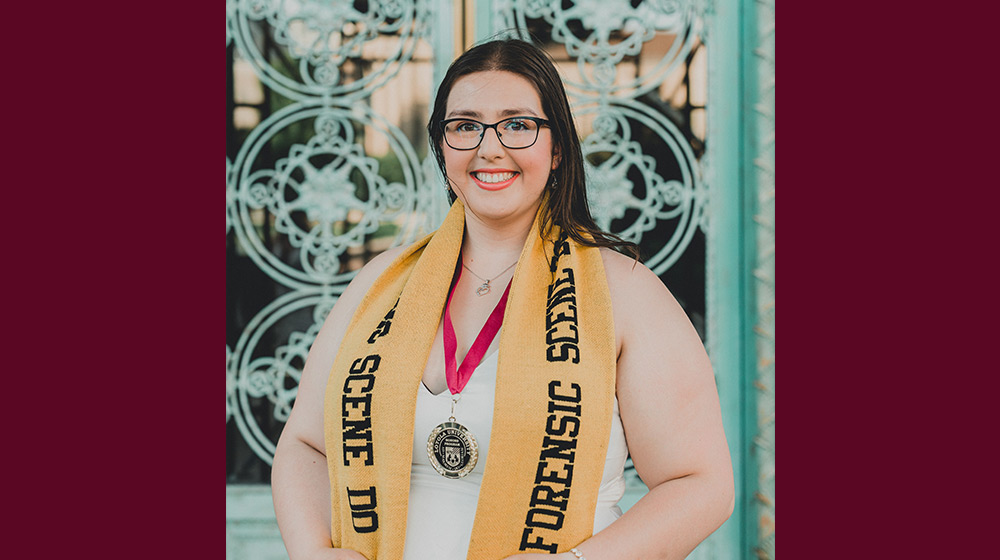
column 356, row 422
column 554, row 474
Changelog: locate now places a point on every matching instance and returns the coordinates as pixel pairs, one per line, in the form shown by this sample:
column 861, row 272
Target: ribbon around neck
column 458, row 376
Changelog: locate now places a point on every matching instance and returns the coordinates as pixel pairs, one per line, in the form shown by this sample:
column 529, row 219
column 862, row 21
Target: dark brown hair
column 567, row 206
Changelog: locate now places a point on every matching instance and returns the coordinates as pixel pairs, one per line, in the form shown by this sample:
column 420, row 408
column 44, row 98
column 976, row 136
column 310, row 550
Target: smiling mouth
column 494, row 181
column 493, row 178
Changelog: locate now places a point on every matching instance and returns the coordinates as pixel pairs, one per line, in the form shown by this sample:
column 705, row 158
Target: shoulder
column 375, row 267
column 633, row 285
column 365, row 277
column 644, row 310
column 619, row 267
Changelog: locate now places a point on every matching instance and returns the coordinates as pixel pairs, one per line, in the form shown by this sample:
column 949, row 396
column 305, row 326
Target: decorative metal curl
column 319, row 37
column 325, row 195
column 272, row 379
column 230, row 14
column 624, row 183
column 600, row 34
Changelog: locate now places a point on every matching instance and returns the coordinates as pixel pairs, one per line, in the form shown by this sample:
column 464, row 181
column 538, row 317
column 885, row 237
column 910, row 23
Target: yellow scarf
column 552, row 411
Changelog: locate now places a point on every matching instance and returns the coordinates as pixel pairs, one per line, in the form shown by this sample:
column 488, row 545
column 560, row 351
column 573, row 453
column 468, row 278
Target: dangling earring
column 447, row 186
column 555, row 183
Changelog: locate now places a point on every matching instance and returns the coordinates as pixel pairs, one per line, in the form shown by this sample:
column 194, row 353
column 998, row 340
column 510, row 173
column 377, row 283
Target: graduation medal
column 452, row 448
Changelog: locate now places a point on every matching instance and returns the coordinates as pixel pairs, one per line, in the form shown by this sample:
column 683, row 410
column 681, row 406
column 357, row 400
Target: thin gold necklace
column 485, row 288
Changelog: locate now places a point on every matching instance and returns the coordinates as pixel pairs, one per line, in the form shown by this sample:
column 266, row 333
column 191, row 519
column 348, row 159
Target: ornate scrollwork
column 319, row 37
column 642, row 175
column 269, row 382
column 230, row 14
column 325, row 195
column 600, row 34
column 303, row 190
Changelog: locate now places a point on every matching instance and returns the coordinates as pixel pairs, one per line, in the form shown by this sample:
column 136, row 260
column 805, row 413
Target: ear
column 556, row 156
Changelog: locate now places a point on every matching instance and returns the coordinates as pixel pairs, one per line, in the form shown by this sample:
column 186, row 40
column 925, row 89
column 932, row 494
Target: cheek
column 544, row 162
column 454, row 161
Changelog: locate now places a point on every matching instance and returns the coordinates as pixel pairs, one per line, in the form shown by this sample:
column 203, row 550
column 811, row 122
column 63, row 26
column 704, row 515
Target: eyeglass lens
column 514, row 133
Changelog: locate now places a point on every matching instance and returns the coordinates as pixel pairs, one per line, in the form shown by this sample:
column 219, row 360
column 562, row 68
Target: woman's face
column 494, row 182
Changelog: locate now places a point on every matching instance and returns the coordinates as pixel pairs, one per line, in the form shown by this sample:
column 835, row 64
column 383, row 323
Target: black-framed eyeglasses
column 514, row 133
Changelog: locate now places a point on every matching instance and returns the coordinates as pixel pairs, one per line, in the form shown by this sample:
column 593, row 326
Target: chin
column 499, row 210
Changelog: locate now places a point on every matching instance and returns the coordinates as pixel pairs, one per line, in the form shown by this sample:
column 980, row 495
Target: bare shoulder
column 664, row 378
column 623, row 269
column 619, row 267
column 637, row 293
column 375, row 267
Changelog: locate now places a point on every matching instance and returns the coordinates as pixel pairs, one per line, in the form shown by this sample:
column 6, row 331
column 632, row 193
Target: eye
column 466, row 126
column 518, row 125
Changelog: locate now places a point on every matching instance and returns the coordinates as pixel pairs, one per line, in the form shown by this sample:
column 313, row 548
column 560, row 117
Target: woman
column 442, row 438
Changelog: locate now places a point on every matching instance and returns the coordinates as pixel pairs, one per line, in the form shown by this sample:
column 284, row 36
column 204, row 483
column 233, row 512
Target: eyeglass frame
column 537, row 120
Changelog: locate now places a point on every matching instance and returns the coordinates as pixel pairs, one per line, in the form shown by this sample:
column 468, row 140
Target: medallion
column 452, row 450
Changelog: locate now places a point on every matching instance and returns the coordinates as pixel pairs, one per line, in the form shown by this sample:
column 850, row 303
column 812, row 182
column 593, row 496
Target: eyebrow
column 517, row 111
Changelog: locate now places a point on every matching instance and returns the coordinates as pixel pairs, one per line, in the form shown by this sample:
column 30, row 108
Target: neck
column 493, row 245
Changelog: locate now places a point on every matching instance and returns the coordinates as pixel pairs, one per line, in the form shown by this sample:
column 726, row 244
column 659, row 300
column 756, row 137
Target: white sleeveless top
column 441, row 510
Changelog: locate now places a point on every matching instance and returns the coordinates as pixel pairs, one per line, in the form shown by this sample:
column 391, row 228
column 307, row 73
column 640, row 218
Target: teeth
column 494, row 177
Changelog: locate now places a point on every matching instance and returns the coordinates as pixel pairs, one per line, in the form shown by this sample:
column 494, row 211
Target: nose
column 490, row 146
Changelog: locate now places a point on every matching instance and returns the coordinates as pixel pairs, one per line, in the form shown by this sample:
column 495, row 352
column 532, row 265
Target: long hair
column 567, row 206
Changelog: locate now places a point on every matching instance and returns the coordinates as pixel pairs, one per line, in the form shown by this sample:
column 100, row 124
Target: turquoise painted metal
column 759, row 168
column 727, row 282
column 741, row 261
column 320, row 37
column 443, row 14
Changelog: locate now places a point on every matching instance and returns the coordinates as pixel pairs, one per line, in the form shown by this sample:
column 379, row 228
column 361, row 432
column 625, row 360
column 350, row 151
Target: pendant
column 452, row 449
column 484, row 289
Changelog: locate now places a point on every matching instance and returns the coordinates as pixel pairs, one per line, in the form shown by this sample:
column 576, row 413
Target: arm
column 299, row 477
column 670, row 410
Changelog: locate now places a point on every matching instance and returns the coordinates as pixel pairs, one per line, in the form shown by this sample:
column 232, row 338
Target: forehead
column 493, row 95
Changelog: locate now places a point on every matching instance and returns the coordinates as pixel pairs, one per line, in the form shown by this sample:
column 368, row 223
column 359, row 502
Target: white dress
column 441, row 510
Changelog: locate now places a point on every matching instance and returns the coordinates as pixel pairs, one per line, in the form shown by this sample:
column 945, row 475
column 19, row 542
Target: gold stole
column 552, row 412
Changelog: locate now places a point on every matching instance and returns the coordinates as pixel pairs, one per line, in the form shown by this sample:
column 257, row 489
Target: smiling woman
column 440, row 419
column 494, row 179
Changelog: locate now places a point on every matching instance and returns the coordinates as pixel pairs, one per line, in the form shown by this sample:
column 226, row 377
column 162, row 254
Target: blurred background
column 327, row 164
